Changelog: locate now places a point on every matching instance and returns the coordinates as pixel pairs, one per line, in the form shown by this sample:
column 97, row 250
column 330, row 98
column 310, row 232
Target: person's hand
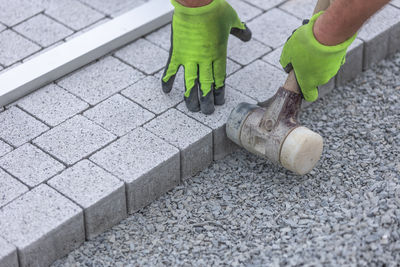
column 314, row 64
column 199, row 44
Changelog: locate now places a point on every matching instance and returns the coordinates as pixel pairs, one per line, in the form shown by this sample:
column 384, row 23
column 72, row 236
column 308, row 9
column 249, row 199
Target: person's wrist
column 194, row 3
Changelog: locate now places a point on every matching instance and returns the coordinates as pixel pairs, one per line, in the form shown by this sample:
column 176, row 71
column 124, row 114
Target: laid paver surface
column 109, row 130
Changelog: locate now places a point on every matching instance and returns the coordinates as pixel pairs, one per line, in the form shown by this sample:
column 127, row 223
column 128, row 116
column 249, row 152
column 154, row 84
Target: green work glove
column 199, row 43
column 314, row 64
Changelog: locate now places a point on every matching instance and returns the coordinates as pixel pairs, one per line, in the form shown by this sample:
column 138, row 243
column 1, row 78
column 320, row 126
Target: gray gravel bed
column 245, row 211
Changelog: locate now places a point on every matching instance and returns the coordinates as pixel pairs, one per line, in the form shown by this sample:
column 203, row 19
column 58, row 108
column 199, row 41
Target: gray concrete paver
column 72, row 13
column 396, row 3
column 14, row 47
column 101, row 195
column 192, row 138
column 303, row 9
column 8, row 254
column 144, row 56
column 222, row 145
column 119, row 115
column 113, row 7
column 30, row 165
column 259, row 80
column 43, row 30
column 18, row 127
column 52, row 104
column 2, row 27
column 4, row 148
column 10, row 189
column 147, row 164
column 265, row 5
column 380, row 36
column 274, row 27
column 245, row 11
column 231, row 67
column 74, row 139
column 98, row 81
column 274, row 57
column 161, row 37
column 15, row 11
column 246, row 52
column 148, row 93
column 43, row 225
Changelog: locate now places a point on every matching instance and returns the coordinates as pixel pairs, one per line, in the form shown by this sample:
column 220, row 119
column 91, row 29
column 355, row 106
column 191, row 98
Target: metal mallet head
column 273, row 131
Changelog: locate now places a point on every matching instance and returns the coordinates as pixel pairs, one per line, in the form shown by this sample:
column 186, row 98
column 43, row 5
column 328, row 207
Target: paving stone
column 14, row 47
column 15, row 11
column 119, row 115
column 52, row 104
column 10, row 189
column 74, row 139
column 144, row 56
column 259, row 80
column 100, row 80
column 101, row 195
column 161, row 37
column 381, row 35
column 148, row 165
column 222, row 145
column 17, row 127
column 245, row 11
column 303, row 9
column 2, row 27
column 265, row 4
column 43, row 30
column 30, row 165
column 192, row 138
column 72, row 13
column 4, row 148
column 113, row 7
column 396, row 3
column 274, row 27
column 148, row 93
column 353, row 65
column 43, row 225
column 231, row 67
column 8, row 254
column 246, row 52
column 274, row 57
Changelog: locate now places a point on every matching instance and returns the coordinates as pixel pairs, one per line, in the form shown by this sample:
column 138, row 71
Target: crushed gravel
column 245, row 211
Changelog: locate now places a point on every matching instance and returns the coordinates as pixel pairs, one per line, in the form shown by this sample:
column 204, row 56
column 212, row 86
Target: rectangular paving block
column 353, row 65
column 274, row 57
column 148, row 165
column 113, row 7
column 4, row 148
column 191, row 137
column 43, row 30
column 52, row 104
column 376, row 34
column 10, row 189
column 99, row 193
column 13, row 12
column 265, row 5
column 246, row 52
column 245, row 11
column 259, row 80
column 18, row 127
column 221, row 144
column 303, row 9
column 30, row 165
column 72, row 13
column 148, row 93
column 2, row 27
column 119, row 115
column 74, row 139
column 8, row 254
column 396, row 3
column 100, row 80
column 14, row 47
column 274, row 27
column 43, row 225
column 231, row 67
column 144, row 56
column 161, row 37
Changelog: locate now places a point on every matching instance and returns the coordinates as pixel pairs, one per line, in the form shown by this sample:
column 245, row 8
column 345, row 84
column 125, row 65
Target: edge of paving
column 221, row 146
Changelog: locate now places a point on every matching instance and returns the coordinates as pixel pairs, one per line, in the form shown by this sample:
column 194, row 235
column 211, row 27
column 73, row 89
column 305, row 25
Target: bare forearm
column 343, row 19
column 194, row 3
